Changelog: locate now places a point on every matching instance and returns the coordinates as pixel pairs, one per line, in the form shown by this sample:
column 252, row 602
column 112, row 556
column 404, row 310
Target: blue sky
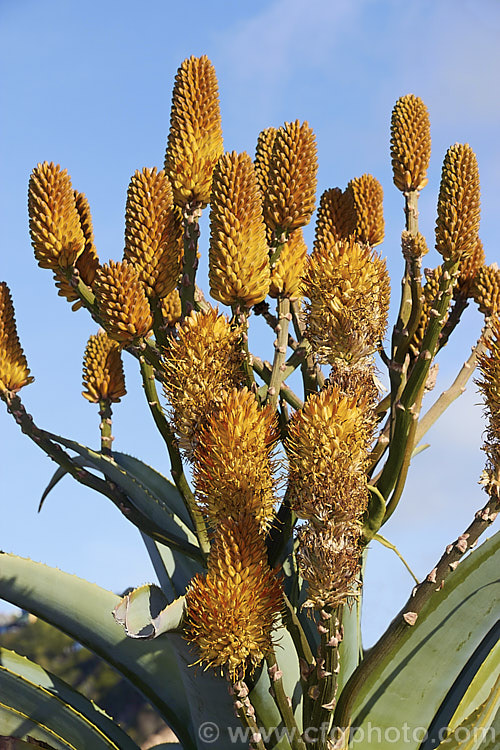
column 88, row 86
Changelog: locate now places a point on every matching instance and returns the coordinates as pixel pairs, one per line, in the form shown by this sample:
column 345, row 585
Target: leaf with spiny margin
column 146, row 613
column 410, row 683
column 83, row 611
column 475, row 730
column 29, row 690
column 154, row 516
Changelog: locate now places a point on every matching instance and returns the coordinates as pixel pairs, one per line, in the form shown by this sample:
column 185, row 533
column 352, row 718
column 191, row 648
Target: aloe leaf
column 153, row 512
column 477, row 728
column 179, row 568
column 13, row 743
column 47, row 700
column 414, row 676
column 469, row 690
column 264, row 704
column 146, row 612
column 156, row 483
column 83, row 611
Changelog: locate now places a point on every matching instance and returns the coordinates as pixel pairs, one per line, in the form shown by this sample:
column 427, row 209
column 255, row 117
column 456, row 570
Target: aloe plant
column 259, row 541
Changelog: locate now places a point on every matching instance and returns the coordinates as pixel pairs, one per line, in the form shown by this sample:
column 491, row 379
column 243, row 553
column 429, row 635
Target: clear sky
column 88, row 85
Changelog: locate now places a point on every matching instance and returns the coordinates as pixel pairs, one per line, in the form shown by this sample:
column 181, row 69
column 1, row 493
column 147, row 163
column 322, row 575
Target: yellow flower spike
column 291, row 194
column 348, row 289
column 368, row 198
column 195, row 138
column 469, row 269
column 326, row 447
column 410, row 143
column 414, row 246
column 122, row 302
column 330, row 561
column 233, row 466
column 14, row 372
column 87, row 263
column 239, row 257
column 153, row 232
column 286, row 276
column 55, row 228
column 202, row 362
column 458, row 213
column 103, row 376
column 336, row 219
column 486, row 289
column 262, row 162
column 233, row 610
column 171, row 308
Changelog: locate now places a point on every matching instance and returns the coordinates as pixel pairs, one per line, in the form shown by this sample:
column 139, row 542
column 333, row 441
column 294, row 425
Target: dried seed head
column 290, row 198
column 286, row 276
column 103, row 376
column 468, row 271
column 14, row 372
column 202, row 362
column 195, row 138
column 414, row 246
column 348, row 288
column 122, row 302
column 368, row 199
column 336, row 218
column 458, row 214
column 232, row 611
column 410, row 143
column 489, row 385
column 171, row 308
column 87, row 262
column 239, row 258
column 486, row 289
column 330, row 560
column 153, row 232
column 233, row 466
column 326, row 447
column 55, row 228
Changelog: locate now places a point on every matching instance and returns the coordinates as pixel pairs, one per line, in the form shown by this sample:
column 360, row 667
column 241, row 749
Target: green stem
column 105, row 412
column 263, row 369
column 283, row 703
column 429, row 589
column 312, row 377
column 240, row 318
column 246, row 713
column 405, row 407
column 191, row 215
column 328, row 667
column 176, row 467
column 280, row 347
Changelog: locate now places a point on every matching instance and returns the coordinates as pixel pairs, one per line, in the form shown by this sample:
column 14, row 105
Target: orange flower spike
column 153, row 232
column 239, row 258
column 103, row 376
column 122, row 302
column 232, row 611
column 286, row 276
column 55, row 228
column 195, row 137
column 458, row 214
column 290, row 199
column 14, row 372
column 368, row 197
column 233, row 466
column 410, row 143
